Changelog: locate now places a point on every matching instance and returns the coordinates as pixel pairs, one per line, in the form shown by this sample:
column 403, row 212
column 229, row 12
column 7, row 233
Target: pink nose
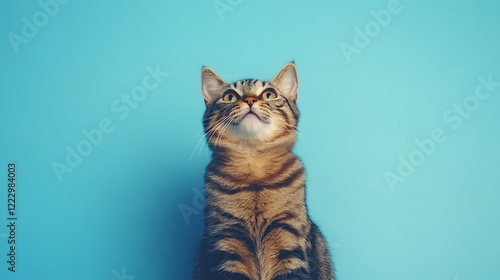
column 250, row 100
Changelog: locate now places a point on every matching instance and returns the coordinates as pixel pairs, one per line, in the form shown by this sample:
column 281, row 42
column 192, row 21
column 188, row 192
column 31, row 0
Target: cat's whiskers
column 199, row 140
column 201, row 137
column 214, row 129
column 205, row 119
column 220, row 131
column 221, row 124
column 198, row 143
column 211, row 117
column 204, row 136
column 223, row 130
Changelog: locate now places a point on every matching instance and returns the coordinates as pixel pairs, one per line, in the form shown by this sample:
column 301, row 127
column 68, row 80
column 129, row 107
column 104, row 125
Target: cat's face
column 250, row 111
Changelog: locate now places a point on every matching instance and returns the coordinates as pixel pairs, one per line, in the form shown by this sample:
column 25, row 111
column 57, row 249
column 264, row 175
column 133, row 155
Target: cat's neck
column 245, row 152
column 252, row 164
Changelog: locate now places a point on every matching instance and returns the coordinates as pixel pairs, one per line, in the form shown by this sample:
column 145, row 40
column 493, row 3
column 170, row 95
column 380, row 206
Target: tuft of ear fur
column 211, row 85
column 287, row 81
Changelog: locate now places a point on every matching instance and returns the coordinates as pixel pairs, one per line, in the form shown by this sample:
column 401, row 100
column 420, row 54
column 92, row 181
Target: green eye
column 229, row 97
column 269, row 95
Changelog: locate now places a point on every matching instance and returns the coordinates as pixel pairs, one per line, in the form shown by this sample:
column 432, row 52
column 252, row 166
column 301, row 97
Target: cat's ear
column 211, row 85
column 287, row 81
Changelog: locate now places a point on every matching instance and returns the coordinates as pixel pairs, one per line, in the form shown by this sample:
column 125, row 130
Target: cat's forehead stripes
column 249, row 86
column 245, row 82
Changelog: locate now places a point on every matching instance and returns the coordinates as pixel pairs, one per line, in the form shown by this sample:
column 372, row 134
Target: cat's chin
column 252, row 128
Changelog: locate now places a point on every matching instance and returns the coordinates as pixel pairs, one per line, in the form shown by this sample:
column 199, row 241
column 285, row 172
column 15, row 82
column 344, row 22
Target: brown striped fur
column 256, row 222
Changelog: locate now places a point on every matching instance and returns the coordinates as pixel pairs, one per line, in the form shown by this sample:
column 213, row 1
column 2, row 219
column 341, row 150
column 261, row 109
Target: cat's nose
column 250, row 100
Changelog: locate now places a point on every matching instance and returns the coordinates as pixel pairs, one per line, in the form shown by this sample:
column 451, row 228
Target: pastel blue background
column 119, row 208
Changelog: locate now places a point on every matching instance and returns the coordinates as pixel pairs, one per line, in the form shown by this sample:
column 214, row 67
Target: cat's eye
column 230, row 97
column 269, row 95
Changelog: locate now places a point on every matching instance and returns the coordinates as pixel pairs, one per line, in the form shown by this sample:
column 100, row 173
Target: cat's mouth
column 251, row 113
column 252, row 124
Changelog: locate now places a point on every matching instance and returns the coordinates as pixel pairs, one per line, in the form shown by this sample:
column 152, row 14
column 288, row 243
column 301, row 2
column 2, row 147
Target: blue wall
column 400, row 131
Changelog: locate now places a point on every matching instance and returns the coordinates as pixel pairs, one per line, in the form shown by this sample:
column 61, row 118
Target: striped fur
column 256, row 222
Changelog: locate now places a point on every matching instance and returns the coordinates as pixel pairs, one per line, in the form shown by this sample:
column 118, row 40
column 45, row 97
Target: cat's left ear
column 211, row 85
column 287, row 81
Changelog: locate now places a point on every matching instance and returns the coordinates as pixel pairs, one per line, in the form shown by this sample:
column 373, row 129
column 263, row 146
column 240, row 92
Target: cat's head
column 250, row 112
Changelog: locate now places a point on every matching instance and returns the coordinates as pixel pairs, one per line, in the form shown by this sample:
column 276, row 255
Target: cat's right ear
column 211, row 85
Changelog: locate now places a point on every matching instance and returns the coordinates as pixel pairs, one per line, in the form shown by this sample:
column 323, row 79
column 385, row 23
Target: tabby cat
column 256, row 222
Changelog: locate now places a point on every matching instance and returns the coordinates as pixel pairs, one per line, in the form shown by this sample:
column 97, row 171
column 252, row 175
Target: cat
column 256, row 222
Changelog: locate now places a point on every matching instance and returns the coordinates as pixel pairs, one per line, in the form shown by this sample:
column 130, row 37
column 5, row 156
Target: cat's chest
column 257, row 190
column 252, row 171
column 258, row 208
column 252, row 211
